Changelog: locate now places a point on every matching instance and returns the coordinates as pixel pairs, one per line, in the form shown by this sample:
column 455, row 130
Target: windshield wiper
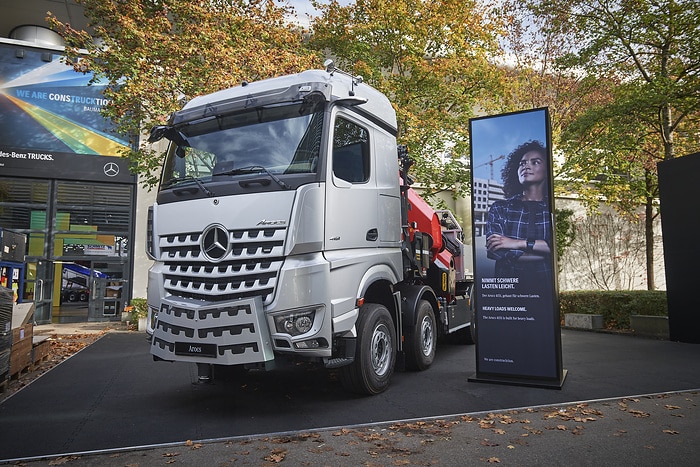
column 255, row 169
column 188, row 178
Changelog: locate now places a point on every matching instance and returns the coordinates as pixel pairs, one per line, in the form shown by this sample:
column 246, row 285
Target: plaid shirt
column 511, row 218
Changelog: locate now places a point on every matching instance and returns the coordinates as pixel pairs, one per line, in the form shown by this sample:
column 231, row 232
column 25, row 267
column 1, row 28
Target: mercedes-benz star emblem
column 215, row 243
column 111, row 169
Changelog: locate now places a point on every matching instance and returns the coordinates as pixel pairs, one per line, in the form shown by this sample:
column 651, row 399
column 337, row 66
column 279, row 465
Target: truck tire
column 375, row 352
column 420, row 345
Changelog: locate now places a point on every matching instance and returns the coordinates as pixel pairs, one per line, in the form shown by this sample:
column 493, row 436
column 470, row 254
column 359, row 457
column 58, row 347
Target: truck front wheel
column 375, row 352
column 420, row 345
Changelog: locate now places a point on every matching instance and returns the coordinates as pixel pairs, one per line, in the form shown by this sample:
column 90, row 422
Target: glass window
column 92, row 220
column 19, row 200
column 277, row 139
column 350, row 151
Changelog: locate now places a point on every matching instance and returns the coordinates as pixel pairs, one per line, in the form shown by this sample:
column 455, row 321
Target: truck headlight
column 295, row 324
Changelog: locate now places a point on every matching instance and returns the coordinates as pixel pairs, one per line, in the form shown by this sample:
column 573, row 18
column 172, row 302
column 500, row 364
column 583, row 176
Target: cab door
column 351, row 201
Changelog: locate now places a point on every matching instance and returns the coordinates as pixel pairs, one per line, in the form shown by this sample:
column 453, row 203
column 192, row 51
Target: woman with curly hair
column 518, row 230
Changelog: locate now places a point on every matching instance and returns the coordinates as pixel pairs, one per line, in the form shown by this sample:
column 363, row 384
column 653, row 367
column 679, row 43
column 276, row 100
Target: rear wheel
column 375, row 352
column 420, row 346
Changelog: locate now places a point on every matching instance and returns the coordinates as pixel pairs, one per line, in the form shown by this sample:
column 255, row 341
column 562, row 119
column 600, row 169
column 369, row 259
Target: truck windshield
column 276, row 140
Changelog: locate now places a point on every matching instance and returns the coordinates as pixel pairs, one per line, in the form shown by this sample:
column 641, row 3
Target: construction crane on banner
column 491, row 163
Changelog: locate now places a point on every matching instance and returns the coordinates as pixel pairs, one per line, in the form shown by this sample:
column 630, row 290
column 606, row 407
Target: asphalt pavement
column 626, row 401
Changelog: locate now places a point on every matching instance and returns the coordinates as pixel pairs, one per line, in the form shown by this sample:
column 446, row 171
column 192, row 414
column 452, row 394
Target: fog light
column 303, row 324
column 295, row 324
column 289, row 325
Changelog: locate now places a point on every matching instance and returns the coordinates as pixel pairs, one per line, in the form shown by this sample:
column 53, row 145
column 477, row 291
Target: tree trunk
column 649, row 230
column 667, row 132
column 649, row 239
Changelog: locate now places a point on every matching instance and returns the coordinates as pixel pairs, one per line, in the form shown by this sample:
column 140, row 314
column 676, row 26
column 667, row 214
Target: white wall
column 144, row 198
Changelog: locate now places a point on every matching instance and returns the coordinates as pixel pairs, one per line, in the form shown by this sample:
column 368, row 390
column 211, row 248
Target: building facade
column 63, row 186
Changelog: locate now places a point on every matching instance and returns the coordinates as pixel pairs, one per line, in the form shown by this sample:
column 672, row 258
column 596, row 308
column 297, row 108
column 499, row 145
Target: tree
column 647, row 54
column 608, row 251
column 432, row 60
column 564, row 231
column 532, row 48
column 156, row 54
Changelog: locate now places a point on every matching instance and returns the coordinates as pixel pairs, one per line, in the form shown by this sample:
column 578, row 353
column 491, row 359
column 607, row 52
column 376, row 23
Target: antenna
column 355, row 79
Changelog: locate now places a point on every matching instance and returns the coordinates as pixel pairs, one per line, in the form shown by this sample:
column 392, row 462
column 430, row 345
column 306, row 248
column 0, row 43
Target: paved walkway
column 651, row 429
column 641, row 431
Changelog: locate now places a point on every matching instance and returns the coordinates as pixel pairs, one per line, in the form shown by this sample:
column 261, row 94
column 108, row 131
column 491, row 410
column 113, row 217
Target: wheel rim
column 426, row 333
column 381, row 350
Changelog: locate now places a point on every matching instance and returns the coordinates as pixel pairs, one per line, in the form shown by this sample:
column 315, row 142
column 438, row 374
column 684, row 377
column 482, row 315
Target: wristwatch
column 530, row 244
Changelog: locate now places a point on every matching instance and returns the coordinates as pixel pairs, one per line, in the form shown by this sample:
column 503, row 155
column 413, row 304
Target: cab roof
column 336, row 87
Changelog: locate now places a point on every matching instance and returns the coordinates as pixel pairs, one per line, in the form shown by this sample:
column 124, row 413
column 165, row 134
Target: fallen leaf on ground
column 62, row 460
column 486, row 424
column 276, row 456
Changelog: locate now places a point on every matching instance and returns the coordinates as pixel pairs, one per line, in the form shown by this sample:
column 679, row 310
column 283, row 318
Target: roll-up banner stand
column 516, row 299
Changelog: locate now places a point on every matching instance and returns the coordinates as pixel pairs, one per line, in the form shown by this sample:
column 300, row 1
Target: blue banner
column 50, row 119
column 515, row 289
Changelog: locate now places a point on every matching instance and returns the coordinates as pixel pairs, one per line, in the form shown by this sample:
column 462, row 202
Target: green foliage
column 432, row 60
column 140, row 309
column 615, row 306
column 157, row 53
column 644, row 56
column 565, row 231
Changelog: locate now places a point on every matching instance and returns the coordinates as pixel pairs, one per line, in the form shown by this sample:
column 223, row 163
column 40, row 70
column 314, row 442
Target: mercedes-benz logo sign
column 215, row 243
column 111, row 169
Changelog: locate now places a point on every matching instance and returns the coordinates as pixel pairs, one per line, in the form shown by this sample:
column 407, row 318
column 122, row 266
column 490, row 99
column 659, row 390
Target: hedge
column 615, row 306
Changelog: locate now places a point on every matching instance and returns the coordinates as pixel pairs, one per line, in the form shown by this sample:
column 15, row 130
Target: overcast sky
column 304, row 7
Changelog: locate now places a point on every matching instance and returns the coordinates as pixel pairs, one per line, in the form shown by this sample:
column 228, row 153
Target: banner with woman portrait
column 516, row 299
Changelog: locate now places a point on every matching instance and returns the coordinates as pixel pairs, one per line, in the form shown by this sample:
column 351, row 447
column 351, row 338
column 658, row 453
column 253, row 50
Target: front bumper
column 227, row 333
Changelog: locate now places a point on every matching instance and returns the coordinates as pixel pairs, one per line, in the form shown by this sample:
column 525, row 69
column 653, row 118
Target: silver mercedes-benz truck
column 284, row 226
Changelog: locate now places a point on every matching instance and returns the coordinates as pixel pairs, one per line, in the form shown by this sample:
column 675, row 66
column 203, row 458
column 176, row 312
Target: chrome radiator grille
column 246, row 263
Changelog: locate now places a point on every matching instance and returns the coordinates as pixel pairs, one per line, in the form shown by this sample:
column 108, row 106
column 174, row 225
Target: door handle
column 372, row 235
